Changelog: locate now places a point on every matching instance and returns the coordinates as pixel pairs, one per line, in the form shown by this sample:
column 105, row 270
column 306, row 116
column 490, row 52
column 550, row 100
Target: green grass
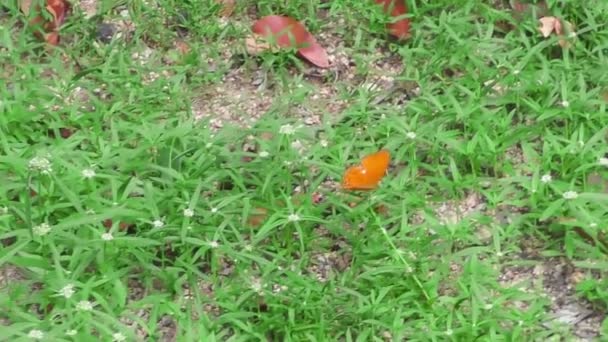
column 483, row 93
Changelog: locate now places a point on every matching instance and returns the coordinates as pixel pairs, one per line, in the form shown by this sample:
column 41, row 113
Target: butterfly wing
column 367, row 175
column 376, row 165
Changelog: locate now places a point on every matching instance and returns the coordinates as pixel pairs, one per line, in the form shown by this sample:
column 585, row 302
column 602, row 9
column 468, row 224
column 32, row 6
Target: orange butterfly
column 368, row 174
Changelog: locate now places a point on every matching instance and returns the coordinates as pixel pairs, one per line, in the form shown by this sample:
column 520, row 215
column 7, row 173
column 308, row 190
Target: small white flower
column 214, row 244
column 158, row 224
column 565, row 103
column 256, row 285
column 516, row 72
column 107, row 237
column 84, row 305
column 297, row 145
column 71, row 332
column 293, row 218
column 36, row 334
column 40, row 164
column 214, row 210
column 42, row 229
column 449, row 332
column 570, row 195
column 572, row 34
column 67, row 291
column 411, row 135
column 118, row 337
column 324, row 143
column 188, row 212
column 546, row 178
column 287, row 129
column 263, row 154
column 88, row 173
column 603, row 161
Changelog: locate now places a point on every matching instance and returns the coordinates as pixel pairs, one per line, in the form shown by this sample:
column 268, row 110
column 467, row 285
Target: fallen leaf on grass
column 227, row 7
column 397, row 8
column 368, row 174
column 550, row 25
column 286, row 32
column 50, row 29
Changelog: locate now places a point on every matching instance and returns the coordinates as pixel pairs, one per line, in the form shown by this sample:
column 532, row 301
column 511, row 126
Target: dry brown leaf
column 227, row 7
column 548, row 25
column 255, row 44
column 563, row 29
column 24, row 6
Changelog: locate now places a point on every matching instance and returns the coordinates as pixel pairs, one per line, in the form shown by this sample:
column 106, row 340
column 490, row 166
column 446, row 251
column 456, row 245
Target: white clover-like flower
column 570, row 195
column 158, row 224
column 565, row 103
column 84, row 305
column 188, row 212
column 71, row 332
column 546, row 178
column 41, row 229
column 214, row 210
column 67, row 291
column 324, row 143
column 411, row 135
column 214, row 244
column 41, row 164
column 297, row 145
column 293, row 218
column 603, row 161
column 35, row 334
column 118, row 337
column 516, row 72
column 88, row 173
column 263, row 154
column 256, row 285
column 107, row 237
column 287, row 129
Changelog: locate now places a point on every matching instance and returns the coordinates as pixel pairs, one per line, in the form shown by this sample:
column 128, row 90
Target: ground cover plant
column 176, row 170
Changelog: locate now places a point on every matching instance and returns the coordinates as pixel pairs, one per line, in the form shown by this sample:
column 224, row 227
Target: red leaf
column 288, row 32
column 58, row 10
column 400, row 28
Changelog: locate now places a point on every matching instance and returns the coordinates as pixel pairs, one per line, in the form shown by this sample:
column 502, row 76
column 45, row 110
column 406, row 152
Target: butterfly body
column 368, row 174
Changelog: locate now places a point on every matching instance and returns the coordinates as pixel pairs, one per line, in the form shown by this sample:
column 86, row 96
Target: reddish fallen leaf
column 65, row 132
column 257, row 217
column 539, row 8
column 122, row 226
column 49, row 30
column 289, row 33
column 182, row 47
column 397, row 8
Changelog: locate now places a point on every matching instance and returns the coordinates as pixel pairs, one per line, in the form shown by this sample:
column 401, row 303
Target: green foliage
column 142, row 197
